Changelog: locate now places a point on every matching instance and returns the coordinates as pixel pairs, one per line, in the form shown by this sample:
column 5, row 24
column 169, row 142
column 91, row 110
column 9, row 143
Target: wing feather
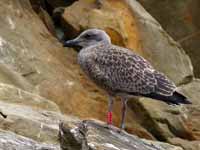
column 164, row 85
column 127, row 71
column 119, row 69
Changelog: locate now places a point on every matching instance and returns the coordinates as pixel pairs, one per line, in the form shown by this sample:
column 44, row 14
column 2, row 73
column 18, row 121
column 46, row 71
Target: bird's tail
column 176, row 98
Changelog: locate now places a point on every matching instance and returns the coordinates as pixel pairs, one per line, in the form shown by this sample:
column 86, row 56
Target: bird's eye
column 87, row 36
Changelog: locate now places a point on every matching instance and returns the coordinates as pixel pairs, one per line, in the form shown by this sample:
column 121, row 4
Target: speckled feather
column 119, row 70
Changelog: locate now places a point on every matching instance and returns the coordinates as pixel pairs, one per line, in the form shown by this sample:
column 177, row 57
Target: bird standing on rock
column 121, row 72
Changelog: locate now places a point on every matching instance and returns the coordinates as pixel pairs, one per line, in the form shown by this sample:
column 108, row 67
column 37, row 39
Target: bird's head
column 88, row 38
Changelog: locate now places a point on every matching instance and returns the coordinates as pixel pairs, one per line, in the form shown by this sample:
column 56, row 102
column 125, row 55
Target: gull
column 121, row 72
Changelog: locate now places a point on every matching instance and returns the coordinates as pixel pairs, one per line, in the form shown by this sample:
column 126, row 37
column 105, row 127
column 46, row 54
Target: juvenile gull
column 121, row 72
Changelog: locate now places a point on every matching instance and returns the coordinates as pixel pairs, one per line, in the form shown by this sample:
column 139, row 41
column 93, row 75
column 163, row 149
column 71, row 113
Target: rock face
column 94, row 135
column 193, row 111
column 11, row 141
column 169, row 122
column 32, row 123
column 131, row 26
column 40, row 80
column 11, row 77
column 29, row 115
column 13, row 95
column 187, row 145
column 180, row 21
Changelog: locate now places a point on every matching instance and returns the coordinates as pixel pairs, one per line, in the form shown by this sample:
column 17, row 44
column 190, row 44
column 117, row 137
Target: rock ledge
column 93, row 135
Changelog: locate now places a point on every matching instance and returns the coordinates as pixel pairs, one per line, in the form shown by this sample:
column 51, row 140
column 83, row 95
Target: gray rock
column 180, row 19
column 14, row 95
column 160, row 49
column 192, row 115
column 29, row 115
column 9, row 76
column 172, row 121
column 192, row 91
column 37, row 124
column 93, row 135
column 187, row 145
column 11, row 141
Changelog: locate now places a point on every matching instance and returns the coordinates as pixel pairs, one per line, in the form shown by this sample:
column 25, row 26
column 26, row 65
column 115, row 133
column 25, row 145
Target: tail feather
column 164, row 85
column 176, row 98
column 179, row 98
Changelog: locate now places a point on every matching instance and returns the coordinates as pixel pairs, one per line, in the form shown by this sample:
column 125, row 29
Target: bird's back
column 120, row 71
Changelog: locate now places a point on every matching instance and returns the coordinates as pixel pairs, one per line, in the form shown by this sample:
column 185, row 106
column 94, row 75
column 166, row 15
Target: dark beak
column 71, row 43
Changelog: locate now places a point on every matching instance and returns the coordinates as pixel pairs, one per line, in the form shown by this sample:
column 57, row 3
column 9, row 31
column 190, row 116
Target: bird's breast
column 84, row 60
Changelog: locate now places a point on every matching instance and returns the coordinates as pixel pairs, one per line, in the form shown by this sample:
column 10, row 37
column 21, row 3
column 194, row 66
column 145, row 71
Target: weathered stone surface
column 13, row 95
column 94, row 135
column 192, row 91
column 47, row 20
column 40, row 125
column 162, row 120
column 165, row 121
column 11, row 141
column 28, row 114
column 187, row 145
column 131, row 26
column 160, row 49
column 180, row 19
column 9, row 76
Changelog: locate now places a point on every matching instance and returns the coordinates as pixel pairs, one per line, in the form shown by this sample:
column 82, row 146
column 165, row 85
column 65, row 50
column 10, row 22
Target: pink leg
column 109, row 118
column 109, row 115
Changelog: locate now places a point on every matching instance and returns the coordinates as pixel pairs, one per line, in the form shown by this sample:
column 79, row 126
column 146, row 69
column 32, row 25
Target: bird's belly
column 95, row 79
column 99, row 82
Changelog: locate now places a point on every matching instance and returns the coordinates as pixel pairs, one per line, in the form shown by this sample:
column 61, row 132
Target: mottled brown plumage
column 121, row 72
column 118, row 69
